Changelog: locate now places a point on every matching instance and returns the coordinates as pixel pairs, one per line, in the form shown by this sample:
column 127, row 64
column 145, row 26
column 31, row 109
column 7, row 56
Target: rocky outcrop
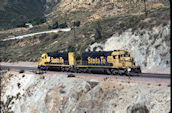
column 59, row 94
column 150, row 48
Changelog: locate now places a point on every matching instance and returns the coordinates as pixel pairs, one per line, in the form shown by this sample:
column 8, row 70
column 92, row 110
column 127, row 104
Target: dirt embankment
column 22, row 64
column 53, row 93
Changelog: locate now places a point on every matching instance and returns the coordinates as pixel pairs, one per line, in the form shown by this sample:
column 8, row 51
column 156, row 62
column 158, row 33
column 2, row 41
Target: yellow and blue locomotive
column 111, row 62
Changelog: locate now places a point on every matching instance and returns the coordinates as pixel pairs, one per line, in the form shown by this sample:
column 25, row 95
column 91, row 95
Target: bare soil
column 22, row 64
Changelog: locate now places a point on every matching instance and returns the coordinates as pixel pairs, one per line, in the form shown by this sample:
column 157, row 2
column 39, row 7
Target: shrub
column 78, row 56
column 98, row 28
column 37, row 21
column 21, row 71
column 10, row 75
column 55, row 25
column 71, row 75
column 8, row 112
column 159, row 84
column 62, row 91
column 77, row 23
column 63, row 25
column 71, row 48
column 139, row 109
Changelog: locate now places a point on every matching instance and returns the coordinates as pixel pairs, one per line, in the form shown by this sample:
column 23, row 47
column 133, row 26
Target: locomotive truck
column 111, row 62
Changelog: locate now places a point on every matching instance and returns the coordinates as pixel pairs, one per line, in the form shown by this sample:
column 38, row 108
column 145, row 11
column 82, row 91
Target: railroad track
column 152, row 75
column 146, row 75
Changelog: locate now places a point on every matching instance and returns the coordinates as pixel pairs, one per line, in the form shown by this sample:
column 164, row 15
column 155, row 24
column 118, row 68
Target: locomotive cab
column 123, row 60
column 44, row 58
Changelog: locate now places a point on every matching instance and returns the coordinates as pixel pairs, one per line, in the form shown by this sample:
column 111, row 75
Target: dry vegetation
column 30, row 49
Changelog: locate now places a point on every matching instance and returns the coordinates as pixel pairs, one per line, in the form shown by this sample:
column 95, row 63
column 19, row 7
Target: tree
column 71, row 48
column 63, row 25
column 145, row 8
column 77, row 23
column 37, row 20
column 55, row 25
column 98, row 29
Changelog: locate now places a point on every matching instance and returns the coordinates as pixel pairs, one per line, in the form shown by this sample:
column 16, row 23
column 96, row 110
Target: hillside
column 90, row 10
column 14, row 13
column 98, row 31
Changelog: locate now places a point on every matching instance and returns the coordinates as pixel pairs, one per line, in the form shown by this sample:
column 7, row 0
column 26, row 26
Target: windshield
column 124, row 55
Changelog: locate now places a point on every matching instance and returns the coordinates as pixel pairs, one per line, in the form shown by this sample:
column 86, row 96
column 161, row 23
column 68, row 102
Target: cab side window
column 123, row 55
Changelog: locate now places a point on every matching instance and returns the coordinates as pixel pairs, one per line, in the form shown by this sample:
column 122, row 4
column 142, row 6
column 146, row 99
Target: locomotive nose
column 129, row 59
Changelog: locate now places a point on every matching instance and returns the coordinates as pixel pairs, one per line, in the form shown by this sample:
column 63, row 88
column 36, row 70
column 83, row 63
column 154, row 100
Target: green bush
column 77, row 23
column 37, row 21
column 55, row 25
column 63, row 25
column 8, row 112
column 71, row 48
column 98, row 30
column 78, row 56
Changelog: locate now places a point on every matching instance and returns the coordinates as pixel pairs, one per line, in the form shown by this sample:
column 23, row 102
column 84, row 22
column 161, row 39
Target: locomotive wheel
column 88, row 71
column 138, row 70
column 40, row 68
column 84, row 70
column 114, row 72
column 128, row 74
column 46, row 68
column 78, row 70
column 122, row 72
column 71, row 70
column 75, row 70
column 62, row 69
column 67, row 69
column 125, row 72
column 108, row 71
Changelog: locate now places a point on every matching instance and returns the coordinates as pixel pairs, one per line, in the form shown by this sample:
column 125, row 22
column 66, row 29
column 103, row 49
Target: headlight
column 129, row 69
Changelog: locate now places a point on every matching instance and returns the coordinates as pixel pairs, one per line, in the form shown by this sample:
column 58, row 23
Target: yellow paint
column 44, row 58
column 94, row 66
column 57, row 60
column 110, row 59
column 118, row 59
column 72, row 60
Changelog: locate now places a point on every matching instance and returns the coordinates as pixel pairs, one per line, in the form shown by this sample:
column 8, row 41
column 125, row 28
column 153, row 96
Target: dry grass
column 17, row 50
column 158, row 5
